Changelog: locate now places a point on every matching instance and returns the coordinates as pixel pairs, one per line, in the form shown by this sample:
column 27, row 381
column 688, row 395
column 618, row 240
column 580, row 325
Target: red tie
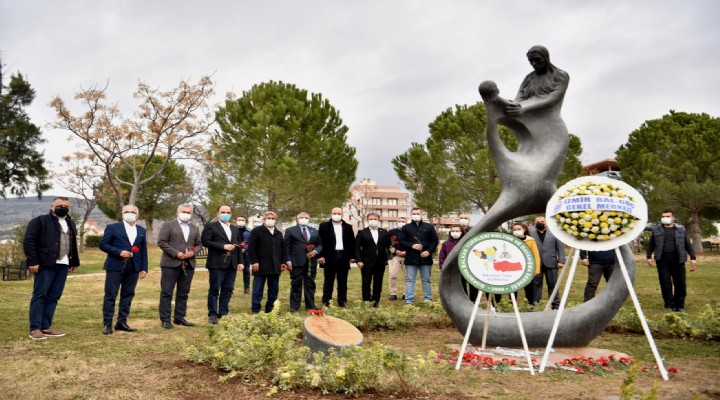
column 305, row 233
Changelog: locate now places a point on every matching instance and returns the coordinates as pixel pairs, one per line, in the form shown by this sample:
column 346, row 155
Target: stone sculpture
column 529, row 177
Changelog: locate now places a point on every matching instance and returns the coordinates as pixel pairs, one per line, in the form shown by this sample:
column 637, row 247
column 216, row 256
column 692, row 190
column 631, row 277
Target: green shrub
column 366, row 317
column 267, row 347
column 92, row 240
column 626, row 321
column 708, row 323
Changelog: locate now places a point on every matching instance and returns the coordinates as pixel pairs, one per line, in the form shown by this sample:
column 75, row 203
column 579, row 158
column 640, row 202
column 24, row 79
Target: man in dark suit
column 223, row 261
column 337, row 254
column 371, row 252
column 127, row 260
column 302, row 244
column 420, row 239
column 241, row 223
column 552, row 254
column 51, row 249
column 180, row 241
column 266, row 254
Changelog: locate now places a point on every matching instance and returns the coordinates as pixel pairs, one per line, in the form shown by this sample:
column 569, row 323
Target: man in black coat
column 371, row 251
column 222, row 239
column 267, row 256
column 302, row 244
column 337, row 254
column 51, row 249
column 420, row 239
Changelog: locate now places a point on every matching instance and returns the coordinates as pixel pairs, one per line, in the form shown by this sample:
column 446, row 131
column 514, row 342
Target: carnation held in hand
column 596, row 213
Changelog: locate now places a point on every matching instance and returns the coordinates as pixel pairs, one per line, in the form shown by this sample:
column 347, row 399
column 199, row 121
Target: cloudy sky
column 390, row 67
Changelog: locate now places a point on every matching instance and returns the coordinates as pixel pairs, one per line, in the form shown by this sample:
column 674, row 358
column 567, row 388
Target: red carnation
column 243, row 244
column 310, row 247
column 192, row 248
column 135, row 249
column 318, row 313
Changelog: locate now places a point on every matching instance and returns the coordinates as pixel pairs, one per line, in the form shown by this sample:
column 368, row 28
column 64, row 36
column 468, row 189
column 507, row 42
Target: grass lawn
column 151, row 364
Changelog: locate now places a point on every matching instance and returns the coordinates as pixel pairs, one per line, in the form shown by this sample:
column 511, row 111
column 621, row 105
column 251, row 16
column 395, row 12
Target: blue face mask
column 225, row 217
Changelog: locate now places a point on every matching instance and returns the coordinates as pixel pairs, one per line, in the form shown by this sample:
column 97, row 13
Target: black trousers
column 595, row 273
column 172, row 277
column 302, row 279
column 551, row 276
column 222, row 284
column 372, row 275
column 470, row 290
column 125, row 283
column 336, row 267
column 672, row 282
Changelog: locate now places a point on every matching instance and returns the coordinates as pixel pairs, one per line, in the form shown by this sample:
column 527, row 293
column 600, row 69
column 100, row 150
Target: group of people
column 264, row 251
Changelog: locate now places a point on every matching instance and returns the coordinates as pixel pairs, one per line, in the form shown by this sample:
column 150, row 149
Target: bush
column 708, row 324
column 267, row 347
column 365, row 317
column 92, row 240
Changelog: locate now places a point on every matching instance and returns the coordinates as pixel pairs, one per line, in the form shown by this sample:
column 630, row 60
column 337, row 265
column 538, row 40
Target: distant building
column 390, row 202
column 608, row 167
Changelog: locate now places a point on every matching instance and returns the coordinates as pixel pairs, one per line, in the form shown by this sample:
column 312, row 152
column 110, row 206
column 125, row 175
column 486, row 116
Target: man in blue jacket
column 420, row 241
column 50, row 246
column 127, row 260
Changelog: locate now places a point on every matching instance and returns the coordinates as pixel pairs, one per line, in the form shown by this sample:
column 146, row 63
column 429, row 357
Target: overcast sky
column 390, row 67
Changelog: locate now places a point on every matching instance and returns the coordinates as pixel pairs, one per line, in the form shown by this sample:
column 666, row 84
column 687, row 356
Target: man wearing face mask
column 552, row 255
column 464, row 222
column 337, row 255
column 371, row 252
column 671, row 246
column 397, row 262
column 241, row 223
column 180, row 241
column 302, row 245
column 51, row 249
column 267, row 257
column 420, row 239
column 223, row 261
column 127, row 260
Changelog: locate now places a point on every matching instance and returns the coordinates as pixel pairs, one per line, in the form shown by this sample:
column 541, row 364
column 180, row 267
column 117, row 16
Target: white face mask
column 666, row 220
column 455, row 235
column 129, row 217
column 373, row 223
column 416, row 218
column 303, row 221
column 336, row 218
column 400, row 225
column 241, row 224
column 270, row 223
column 464, row 221
column 520, row 233
column 184, row 217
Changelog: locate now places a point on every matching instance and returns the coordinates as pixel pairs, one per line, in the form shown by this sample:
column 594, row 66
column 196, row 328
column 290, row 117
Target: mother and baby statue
column 529, row 177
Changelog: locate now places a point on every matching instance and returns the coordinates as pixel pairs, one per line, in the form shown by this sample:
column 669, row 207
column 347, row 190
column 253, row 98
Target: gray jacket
column 682, row 244
column 552, row 251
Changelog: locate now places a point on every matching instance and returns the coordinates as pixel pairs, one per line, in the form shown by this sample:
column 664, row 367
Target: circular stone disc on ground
column 324, row 332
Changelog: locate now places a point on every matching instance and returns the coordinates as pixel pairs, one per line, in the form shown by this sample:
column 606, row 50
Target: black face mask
column 540, row 226
column 61, row 211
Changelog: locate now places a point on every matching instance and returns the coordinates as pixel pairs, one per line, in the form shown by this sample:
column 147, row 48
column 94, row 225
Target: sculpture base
column 536, row 353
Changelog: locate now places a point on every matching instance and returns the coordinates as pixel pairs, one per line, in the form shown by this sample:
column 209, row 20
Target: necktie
column 305, row 234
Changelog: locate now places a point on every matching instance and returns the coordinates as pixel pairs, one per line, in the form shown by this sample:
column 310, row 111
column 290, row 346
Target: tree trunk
column 694, row 231
column 149, row 227
column 81, row 229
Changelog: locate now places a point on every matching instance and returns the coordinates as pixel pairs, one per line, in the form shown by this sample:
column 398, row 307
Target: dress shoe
column 343, row 305
column 183, row 322
column 167, row 325
column 107, row 330
column 376, row 304
column 393, row 297
column 213, row 319
column 52, row 333
column 37, row 335
column 681, row 309
column 667, row 309
column 246, row 291
column 123, row 326
column 326, row 304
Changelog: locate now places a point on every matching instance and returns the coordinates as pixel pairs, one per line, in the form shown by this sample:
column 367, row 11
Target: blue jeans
column 47, row 288
column 257, row 292
column 222, row 283
column 410, row 278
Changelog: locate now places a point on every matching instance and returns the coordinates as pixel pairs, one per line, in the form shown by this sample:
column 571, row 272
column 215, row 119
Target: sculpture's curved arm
column 539, row 103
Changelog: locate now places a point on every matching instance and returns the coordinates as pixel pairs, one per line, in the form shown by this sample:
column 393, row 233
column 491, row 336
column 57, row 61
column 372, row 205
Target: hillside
column 18, row 210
